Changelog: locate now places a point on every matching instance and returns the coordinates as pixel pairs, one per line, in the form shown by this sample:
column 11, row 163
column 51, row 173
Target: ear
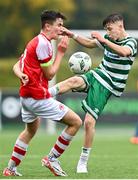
column 121, row 25
column 47, row 26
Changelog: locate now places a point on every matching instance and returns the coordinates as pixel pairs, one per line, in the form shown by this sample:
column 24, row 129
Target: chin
column 56, row 38
column 114, row 39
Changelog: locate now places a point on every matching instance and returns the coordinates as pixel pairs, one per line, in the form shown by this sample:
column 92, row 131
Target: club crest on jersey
column 61, row 107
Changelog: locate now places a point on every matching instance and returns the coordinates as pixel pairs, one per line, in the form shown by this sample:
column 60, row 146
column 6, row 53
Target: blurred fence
column 118, row 110
column 123, row 109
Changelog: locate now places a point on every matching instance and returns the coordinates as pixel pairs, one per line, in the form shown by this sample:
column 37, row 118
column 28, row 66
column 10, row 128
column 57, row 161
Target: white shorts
column 49, row 109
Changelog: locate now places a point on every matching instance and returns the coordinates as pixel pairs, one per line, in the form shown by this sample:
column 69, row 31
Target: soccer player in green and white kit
column 108, row 79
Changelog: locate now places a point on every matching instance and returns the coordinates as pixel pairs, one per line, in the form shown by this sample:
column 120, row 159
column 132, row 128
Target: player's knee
column 78, row 123
column 90, row 123
column 72, row 81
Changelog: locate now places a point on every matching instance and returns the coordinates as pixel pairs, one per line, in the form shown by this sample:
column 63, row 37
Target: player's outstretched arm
column 17, row 70
column 84, row 41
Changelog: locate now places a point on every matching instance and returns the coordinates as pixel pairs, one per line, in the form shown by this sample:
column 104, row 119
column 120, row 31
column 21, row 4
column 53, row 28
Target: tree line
column 20, row 19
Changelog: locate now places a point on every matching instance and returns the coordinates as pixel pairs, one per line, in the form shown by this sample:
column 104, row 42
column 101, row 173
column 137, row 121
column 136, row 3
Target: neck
column 47, row 35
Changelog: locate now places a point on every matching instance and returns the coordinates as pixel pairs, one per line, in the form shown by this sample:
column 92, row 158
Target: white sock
column 85, row 154
column 54, row 90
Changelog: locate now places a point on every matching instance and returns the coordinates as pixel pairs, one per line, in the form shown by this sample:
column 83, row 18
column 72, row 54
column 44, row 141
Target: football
column 80, row 63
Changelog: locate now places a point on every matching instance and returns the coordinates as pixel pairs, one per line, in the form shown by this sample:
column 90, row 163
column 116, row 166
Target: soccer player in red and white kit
column 37, row 69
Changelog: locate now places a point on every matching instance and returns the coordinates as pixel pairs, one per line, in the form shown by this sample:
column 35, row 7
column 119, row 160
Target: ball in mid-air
column 80, row 63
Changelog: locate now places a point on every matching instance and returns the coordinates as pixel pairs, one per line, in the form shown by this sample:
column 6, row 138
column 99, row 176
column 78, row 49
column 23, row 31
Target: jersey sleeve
column 132, row 44
column 44, row 51
column 101, row 45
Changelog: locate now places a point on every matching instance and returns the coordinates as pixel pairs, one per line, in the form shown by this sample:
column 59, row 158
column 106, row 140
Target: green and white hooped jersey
column 113, row 70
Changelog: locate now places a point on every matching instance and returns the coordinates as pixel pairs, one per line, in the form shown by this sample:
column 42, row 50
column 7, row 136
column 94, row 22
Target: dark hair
column 50, row 17
column 112, row 18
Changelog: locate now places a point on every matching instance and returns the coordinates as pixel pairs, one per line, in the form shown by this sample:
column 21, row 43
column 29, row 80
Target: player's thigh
column 33, row 126
column 71, row 118
column 28, row 116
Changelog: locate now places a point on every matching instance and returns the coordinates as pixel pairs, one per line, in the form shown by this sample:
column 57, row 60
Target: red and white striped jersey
column 38, row 50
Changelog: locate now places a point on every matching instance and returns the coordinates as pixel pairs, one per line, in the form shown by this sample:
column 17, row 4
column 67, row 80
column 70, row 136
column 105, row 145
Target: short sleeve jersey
column 38, row 50
column 114, row 69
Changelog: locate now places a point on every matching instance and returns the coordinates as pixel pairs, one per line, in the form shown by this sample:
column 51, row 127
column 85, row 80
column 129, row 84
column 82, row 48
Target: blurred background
column 20, row 22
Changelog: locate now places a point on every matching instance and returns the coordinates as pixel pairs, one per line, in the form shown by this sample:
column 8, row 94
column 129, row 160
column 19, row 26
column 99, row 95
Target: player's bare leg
column 74, row 82
column 73, row 122
column 89, row 126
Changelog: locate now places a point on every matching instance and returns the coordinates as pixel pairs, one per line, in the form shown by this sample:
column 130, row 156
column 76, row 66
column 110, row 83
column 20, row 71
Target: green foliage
column 90, row 15
column 7, row 77
column 20, row 21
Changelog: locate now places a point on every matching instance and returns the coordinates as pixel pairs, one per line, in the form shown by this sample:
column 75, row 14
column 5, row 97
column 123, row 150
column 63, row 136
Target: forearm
column 23, row 77
column 120, row 50
column 17, row 70
column 52, row 69
column 57, row 62
column 84, row 41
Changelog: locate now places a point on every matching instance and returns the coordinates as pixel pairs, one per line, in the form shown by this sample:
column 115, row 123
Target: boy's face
column 114, row 30
column 56, row 28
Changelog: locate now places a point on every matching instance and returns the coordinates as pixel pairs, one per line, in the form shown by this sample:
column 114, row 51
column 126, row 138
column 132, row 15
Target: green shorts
column 97, row 95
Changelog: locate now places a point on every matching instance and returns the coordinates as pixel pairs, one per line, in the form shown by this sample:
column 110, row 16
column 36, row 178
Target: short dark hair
column 112, row 18
column 50, row 17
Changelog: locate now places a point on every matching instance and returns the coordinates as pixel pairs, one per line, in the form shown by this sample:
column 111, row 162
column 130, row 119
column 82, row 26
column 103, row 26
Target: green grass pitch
column 112, row 157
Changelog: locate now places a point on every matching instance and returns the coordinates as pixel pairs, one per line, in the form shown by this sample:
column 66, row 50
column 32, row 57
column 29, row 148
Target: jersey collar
column 44, row 35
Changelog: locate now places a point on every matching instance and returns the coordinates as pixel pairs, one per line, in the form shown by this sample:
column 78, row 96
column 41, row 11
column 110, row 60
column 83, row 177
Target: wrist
column 75, row 36
column 105, row 41
column 60, row 53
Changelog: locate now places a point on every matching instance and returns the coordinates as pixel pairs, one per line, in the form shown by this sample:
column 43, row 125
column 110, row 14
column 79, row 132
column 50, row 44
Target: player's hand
column 67, row 32
column 24, row 78
column 98, row 36
column 63, row 44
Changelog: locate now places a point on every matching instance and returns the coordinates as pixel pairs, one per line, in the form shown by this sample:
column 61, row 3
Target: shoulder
column 131, row 41
column 43, row 41
column 33, row 42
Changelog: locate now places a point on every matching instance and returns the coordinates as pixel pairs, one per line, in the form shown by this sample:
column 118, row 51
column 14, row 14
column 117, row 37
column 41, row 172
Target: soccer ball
column 80, row 62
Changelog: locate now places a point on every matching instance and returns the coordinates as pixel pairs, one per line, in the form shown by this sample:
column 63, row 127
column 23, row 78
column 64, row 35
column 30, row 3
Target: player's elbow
column 50, row 75
column 14, row 68
column 73, row 82
column 124, row 54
